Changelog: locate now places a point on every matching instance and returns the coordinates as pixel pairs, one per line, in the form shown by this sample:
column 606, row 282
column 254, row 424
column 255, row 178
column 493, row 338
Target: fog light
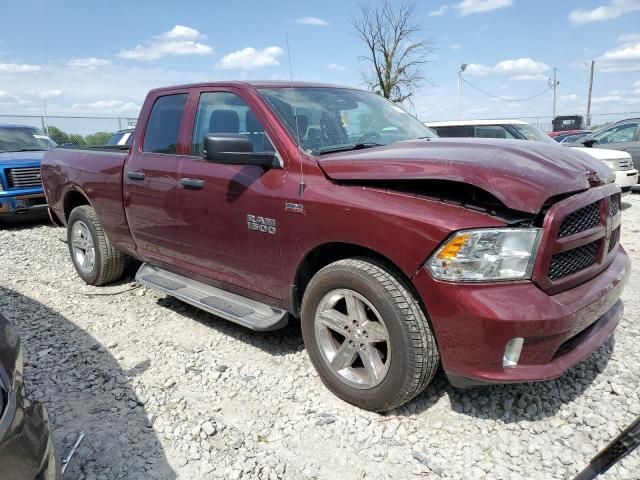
column 512, row 352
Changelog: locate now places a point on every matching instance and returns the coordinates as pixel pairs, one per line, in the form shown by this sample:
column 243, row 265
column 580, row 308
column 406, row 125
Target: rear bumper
column 34, row 204
column 473, row 324
column 625, row 179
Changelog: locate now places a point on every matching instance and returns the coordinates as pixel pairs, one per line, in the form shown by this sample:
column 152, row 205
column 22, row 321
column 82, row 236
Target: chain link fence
column 95, row 131
column 598, row 120
column 76, row 131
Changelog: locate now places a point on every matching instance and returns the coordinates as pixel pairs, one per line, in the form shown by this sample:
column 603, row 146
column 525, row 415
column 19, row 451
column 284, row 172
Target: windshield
column 24, row 139
column 334, row 119
column 529, row 132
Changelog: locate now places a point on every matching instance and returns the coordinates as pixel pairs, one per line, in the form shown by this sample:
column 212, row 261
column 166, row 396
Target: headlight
column 612, row 164
column 486, row 255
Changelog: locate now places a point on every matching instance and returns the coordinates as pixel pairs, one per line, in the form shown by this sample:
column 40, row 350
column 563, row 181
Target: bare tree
column 397, row 50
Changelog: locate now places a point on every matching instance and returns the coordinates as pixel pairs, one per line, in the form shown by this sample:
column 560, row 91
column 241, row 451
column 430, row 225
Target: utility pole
column 462, row 68
column 46, row 119
column 593, row 62
column 555, row 90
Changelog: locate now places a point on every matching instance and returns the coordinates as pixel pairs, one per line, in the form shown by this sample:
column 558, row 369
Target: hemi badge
column 293, row 207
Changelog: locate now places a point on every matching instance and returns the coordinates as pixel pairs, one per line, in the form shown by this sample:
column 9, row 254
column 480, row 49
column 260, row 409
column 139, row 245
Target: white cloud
column 315, row 21
column 8, row 98
column 90, row 63
column 45, row 94
column 112, row 106
column 18, row 68
column 636, row 84
column 467, row 7
column 337, row 67
column 439, row 12
column 183, row 33
column 180, row 40
column 629, row 37
column 517, row 69
column 478, row 69
column 568, row 98
column 613, row 9
column 249, row 58
column 623, row 58
column 455, row 46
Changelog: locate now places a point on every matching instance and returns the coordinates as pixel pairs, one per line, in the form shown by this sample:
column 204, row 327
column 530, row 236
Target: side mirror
column 235, row 149
column 588, row 141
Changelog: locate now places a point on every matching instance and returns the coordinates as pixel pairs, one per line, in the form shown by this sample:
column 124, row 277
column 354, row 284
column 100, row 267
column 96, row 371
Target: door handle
column 135, row 175
column 192, row 183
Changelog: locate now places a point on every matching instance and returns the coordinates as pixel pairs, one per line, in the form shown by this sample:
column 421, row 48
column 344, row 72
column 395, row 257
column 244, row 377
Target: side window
column 224, row 112
column 618, row 134
column 161, row 135
column 453, row 131
column 492, row 131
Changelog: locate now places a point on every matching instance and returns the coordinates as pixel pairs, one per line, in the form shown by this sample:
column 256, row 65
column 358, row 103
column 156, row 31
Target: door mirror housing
column 588, row 141
column 235, row 149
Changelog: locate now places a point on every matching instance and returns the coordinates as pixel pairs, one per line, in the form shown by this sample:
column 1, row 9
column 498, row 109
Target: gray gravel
column 166, row 391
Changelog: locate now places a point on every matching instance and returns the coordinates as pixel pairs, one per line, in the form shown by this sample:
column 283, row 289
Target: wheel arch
column 72, row 199
column 327, row 253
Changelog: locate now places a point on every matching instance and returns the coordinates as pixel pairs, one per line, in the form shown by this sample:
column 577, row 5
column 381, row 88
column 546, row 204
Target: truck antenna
column 295, row 117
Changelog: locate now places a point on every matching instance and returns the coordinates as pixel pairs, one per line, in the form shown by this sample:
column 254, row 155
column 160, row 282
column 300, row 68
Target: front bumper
column 626, row 179
column 34, row 204
column 474, row 322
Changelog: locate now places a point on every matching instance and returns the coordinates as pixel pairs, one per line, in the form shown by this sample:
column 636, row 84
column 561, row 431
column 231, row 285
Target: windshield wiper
column 26, row 150
column 346, row 148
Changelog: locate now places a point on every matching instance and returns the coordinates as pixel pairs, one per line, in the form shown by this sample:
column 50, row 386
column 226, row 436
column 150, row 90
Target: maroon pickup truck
column 398, row 252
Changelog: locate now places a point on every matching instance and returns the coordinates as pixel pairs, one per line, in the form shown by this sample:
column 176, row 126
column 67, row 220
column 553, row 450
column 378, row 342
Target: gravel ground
column 165, row 391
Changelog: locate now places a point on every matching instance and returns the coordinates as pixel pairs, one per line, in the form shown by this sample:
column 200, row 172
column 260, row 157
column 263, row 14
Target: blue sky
column 100, row 57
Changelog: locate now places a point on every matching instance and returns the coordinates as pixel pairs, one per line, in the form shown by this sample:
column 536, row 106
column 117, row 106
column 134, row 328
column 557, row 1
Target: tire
column 84, row 233
column 382, row 375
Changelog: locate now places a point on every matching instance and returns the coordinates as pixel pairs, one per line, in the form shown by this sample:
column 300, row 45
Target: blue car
column 21, row 150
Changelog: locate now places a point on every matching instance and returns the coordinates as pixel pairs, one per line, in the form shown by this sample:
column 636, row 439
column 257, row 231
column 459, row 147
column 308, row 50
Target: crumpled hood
column 21, row 157
column 522, row 175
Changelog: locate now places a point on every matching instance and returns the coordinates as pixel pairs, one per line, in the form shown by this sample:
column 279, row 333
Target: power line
column 506, row 99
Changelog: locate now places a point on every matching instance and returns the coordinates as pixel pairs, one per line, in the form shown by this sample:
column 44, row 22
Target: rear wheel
column 93, row 255
column 367, row 335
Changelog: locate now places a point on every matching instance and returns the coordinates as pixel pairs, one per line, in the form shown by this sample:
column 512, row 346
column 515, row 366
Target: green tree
column 98, row 139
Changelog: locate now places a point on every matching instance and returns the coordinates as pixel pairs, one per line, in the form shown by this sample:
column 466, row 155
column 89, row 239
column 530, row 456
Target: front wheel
column 367, row 335
column 93, row 255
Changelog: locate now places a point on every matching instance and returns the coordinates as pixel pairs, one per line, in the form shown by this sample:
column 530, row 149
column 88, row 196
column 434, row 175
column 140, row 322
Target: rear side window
column 163, row 127
column 492, row 131
column 454, row 131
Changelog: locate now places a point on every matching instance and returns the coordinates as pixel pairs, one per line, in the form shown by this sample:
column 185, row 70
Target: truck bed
column 95, row 173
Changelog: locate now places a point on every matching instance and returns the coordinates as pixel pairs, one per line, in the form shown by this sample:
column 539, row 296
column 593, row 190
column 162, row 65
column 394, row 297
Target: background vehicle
column 623, row 135
column 574, row 137
column 256, row 201
column 26, row 442
column 561, row 136
column 21, row 150
column 121, row 137
column 563, row 123
column 616, row 160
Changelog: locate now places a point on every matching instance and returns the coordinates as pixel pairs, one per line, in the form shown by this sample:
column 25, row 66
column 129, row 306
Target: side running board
column 246, row 312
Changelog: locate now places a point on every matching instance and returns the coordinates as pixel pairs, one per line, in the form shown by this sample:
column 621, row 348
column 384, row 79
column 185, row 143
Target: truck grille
column 625, row 164
column 589, row 251
column 572, row 261
column 614, row 206
column 26, row 177
column 580, row 220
